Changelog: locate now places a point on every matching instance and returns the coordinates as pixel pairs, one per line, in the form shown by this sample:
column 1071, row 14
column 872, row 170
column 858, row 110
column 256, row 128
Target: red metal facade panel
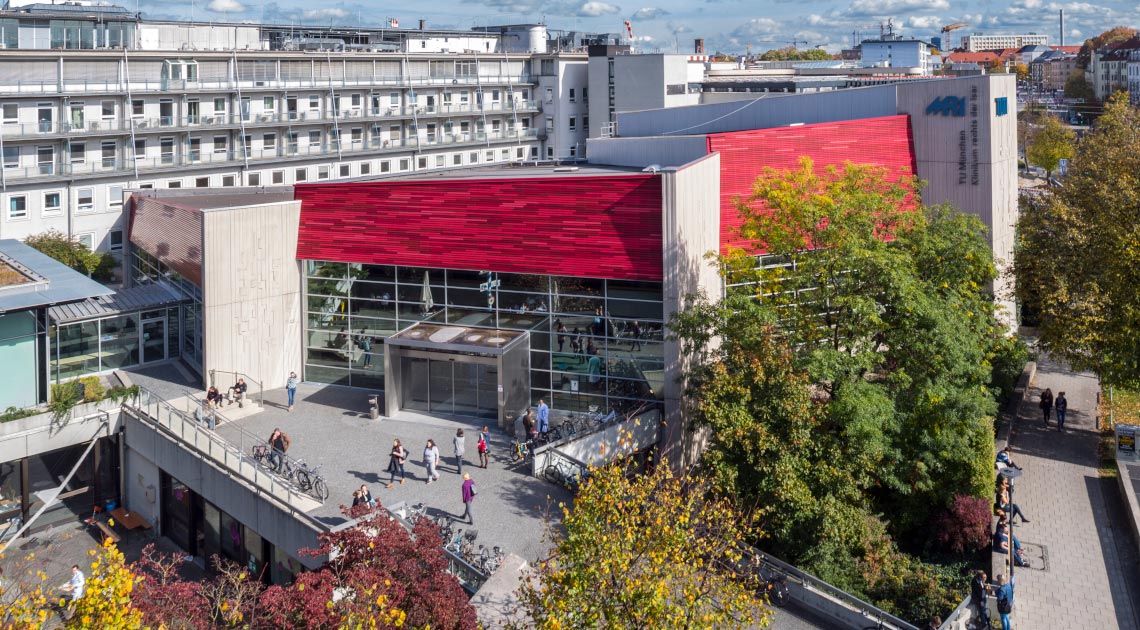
column 584, row 226
column 169, row 232
column 884, row 142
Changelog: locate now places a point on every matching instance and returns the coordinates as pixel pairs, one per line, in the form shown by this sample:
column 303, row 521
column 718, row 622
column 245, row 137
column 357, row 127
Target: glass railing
column 160, row 85
column 13, row 130
column 191, row 157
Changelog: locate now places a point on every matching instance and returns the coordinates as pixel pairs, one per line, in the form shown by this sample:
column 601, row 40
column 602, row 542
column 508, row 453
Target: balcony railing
column 166, row 124
column 252, row 85
column 285, row 151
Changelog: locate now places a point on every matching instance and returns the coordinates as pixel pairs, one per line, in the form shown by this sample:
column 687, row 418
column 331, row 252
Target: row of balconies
column 38, row 130
column 183, row 157
column 253, row 86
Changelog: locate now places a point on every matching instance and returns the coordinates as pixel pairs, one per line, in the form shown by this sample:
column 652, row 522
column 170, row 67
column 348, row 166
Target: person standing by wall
column 979, row 589
column 291, row 388
column 396, row 459
column 460, row 447
column 431, row 460
column 1061, row 405
column 543, row 416
column 484, row 447
column 1004, row 600
column 469, row 491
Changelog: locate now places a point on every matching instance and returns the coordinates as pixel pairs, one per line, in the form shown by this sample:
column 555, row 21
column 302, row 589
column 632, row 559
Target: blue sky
column 726, row 25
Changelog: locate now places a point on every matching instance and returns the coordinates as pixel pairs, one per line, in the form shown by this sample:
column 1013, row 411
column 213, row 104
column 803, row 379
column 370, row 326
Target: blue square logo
column 1002, row 104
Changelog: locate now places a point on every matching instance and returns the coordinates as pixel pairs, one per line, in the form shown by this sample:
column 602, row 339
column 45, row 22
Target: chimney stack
column 699, row 46
column 422, row 23
column 1062, row 27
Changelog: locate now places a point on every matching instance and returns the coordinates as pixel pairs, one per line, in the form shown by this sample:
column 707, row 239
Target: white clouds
column 595, row 9
column 925, row 22
column 226, row 6
column 326, row 14
column 649, row 13
column 895, row 7
column 757, row 28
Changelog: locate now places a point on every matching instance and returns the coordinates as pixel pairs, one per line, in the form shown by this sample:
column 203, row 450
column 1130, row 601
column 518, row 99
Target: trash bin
column 374, row 407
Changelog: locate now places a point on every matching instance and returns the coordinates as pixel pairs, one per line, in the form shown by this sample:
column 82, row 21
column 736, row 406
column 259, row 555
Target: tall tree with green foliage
column 1078, row 260
column 1111, row 36
column 1051, row 143
column 1077, row 86
column 853, row 374
column 71, row 252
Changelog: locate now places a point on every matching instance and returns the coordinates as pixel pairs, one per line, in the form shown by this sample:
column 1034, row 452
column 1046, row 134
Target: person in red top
column 469, row 493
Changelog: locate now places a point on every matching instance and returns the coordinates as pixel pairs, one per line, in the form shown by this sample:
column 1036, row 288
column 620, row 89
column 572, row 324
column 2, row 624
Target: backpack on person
column 1004, row 604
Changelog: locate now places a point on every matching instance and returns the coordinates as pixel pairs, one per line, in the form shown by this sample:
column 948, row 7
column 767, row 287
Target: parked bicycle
column 490, row 559
column 309, row 480
column 522, row 449
column 564, row 474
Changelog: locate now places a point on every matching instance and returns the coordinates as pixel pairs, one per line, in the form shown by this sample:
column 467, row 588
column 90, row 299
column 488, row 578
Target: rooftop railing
column 135, row 86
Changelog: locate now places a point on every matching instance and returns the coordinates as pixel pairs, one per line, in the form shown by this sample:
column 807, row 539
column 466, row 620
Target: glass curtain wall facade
column 352, row 308
column 146, row 269
column 109, row 343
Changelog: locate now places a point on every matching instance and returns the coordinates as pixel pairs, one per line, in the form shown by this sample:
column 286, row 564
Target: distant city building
column 1026, row 54
column 1134, row 76
column 978, row 42
column 1107, row 71
column 896, row 52
column 1051, row 70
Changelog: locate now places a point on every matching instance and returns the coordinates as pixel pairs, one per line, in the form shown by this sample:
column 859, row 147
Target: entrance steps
column 223, row 414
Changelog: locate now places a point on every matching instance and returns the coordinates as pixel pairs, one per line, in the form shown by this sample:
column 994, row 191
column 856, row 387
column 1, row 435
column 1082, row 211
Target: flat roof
column 515, row 171
column 206, row 199
column 143, row 297
column 48, row 281
column 455, row 338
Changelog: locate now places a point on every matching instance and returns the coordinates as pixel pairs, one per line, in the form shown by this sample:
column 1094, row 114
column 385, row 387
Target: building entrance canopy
column 458, row 370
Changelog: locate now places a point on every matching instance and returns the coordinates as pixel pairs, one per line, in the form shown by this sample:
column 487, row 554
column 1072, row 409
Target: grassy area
column 1121, row 407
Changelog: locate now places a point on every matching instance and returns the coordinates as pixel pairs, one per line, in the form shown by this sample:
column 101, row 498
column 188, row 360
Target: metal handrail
column 809, row 581
column 236, row 376
column 183, row 428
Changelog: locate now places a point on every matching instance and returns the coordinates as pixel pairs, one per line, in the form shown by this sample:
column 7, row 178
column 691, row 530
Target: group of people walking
column 1048, row 404
column 398, row 457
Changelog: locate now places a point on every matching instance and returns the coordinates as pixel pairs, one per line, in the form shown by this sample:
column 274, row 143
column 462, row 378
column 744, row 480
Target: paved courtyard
column 1091, row 576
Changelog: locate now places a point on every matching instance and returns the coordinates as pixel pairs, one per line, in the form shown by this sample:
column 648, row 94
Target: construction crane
column 946, row 34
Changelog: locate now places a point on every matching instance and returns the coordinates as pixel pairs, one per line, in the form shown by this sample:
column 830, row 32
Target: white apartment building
column 81, row 124
column 897, row 53
column 978, row 42
column 1108, row 70
column 623, row 82
column 1134, row 77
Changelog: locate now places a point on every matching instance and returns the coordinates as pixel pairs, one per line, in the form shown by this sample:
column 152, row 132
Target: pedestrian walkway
column 1090, row 578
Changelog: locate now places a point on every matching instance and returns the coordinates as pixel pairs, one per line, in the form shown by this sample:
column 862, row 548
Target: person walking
column 1046, row 405
column 543, row 416
column 635, row 336
column 560, row 330
column 1004, row 600
column 460, row 447
column 979, row 589
column 278, row 445
column 469, row 491
column 75, row 587
column 396, row 459
column 291, row 388
column 431, row 460
column 484, row 449
column 1061, row 405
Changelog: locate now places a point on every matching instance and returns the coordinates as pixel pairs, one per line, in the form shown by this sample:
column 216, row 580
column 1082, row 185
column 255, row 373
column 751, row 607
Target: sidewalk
column 1085, row 571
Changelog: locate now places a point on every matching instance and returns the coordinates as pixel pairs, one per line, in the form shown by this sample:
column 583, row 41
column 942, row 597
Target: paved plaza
column 1090, row 578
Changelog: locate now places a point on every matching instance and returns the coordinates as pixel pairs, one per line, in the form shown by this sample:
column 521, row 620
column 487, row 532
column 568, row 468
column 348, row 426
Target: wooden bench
column 108, row 532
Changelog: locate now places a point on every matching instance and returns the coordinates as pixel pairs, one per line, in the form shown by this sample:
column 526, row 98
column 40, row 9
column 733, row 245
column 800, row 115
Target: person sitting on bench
column 237, row 392
column 213, row 397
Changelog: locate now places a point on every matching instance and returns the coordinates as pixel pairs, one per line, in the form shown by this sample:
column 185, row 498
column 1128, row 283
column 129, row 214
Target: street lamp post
column 1011, row 473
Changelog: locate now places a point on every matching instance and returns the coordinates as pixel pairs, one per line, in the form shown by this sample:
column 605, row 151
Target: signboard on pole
column 1064, row 166
column 1126, row 441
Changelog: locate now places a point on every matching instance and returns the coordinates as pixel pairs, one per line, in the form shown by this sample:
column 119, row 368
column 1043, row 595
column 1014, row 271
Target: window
column 115, row 196
column 585, row 95
column 546, row 67
column 357, row 135
column 405, row 164
column 314, row 138
column 174, row 183
column 137, row 108
column 346, row 170
column 549, row 95
column 11, row 157
column 108, row 110
column 87, row 239
column 228, row 180
column 439, row 160
column 146, row 185
column 166, row 150
column 323, row 172
column 473, row 157
column 220, row 106
column 366, row 168
column 300, row 175
column 17, row 207
column 267, row 104
column 109, row 152
column 571, row 95
column 520, row 152
column 253, row 179
column 52, row 203
column 549, row 124
column 140, row 149
column 278, row 177
column 573, row 123
column 586, row 122
column 457, row 159
column 221, row 144
column 116, row 240
column 489, row 156
column 573, row 150
column 11, row 113
column 394, row 99
column 269, row 142
column 85, row 200
column 314, row 103
column 78, row 152
column 202, row 182
column 385, row 166
column 421, row 163
column 356, row 100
